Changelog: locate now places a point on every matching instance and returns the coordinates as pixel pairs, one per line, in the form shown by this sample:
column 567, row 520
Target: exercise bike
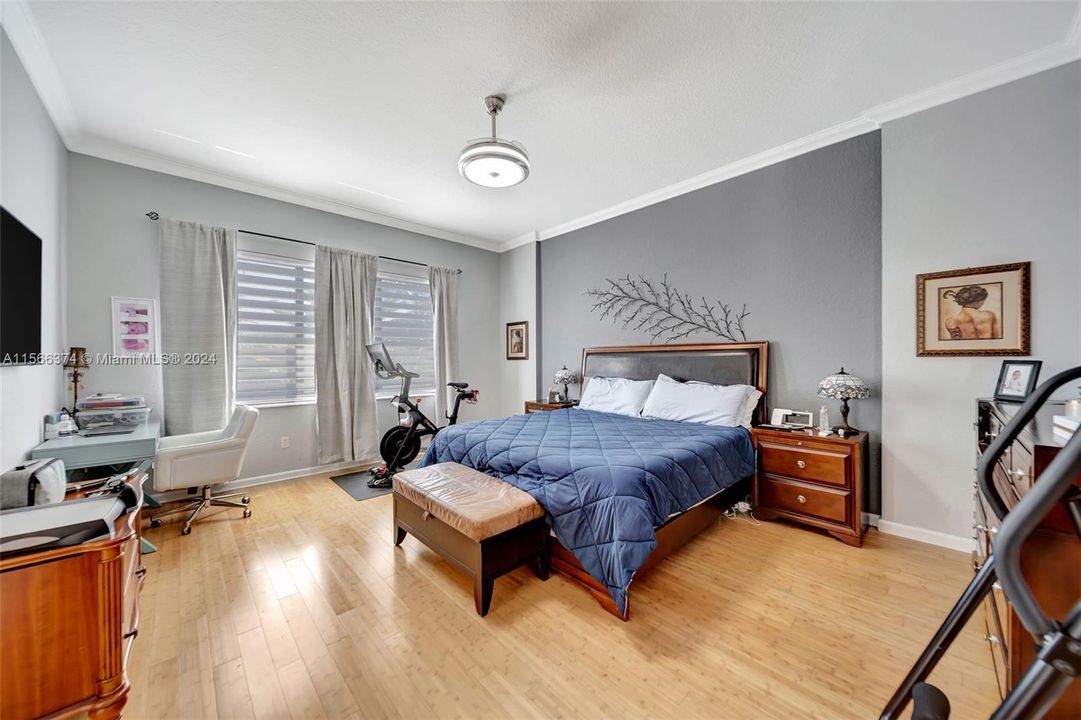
column 401, row 444
column 1058, row 640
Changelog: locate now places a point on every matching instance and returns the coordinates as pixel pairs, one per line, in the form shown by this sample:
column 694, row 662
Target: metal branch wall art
column 664, row 312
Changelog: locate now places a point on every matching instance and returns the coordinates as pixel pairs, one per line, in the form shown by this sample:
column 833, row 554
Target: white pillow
column 615, row 395
column 721, row 405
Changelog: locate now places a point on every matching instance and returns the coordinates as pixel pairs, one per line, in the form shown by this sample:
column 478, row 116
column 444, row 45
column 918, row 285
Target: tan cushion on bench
column 471, row 502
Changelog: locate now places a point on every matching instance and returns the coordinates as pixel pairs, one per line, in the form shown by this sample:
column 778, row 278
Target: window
column 403, row 321
column 275, row 329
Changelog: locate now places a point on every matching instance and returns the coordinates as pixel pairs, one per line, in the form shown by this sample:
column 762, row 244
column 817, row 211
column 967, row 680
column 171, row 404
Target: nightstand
column 532, row 406
column 811, row 480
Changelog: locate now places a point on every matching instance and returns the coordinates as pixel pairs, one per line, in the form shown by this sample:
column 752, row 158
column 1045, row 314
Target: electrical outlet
column 285, row 441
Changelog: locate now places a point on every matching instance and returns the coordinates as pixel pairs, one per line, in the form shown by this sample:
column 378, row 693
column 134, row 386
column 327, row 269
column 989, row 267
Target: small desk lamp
column 565, row 377
column 76, row 361
column 844, row 387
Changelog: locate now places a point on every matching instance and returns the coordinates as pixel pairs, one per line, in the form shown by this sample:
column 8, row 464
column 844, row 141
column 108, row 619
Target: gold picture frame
column 976, row 311
column 518, row 340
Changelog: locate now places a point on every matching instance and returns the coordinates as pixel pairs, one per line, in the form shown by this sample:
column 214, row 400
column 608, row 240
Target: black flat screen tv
column 20, row 293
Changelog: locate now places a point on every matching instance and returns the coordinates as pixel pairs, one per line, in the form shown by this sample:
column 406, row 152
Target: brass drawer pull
column 993, row 639
column 800, row 464
column 801, row 499
column 427, row 516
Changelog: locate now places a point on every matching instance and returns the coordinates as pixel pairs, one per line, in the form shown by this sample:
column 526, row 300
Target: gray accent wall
column 799, row 242
column 33, row 168
column 991, row 178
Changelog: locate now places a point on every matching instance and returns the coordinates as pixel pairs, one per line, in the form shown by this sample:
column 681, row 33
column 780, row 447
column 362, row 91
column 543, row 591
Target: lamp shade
column 76, row 358
column 843, row 386
column 564, row 376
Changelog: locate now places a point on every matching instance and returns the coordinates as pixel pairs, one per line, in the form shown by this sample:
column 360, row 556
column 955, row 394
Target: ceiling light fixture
column 494, row 162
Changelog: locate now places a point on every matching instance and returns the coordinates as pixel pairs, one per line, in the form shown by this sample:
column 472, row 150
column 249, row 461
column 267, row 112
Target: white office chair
column 203, row 460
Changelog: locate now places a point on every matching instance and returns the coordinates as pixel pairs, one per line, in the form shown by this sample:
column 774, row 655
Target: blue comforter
column 607, row 481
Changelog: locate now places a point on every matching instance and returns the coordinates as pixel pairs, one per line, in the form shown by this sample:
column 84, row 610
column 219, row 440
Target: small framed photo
column 972, row 312
column 1017, row 379
column 518, row 340
column 135, row 326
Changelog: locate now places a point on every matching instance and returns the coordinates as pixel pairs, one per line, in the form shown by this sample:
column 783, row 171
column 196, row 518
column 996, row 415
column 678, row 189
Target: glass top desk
column 78, row 451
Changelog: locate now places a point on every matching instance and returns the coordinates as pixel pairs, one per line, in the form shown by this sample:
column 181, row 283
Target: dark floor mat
column 356, row 484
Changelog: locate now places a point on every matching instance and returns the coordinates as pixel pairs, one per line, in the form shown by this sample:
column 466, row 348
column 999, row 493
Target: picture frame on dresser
column 1017, row 379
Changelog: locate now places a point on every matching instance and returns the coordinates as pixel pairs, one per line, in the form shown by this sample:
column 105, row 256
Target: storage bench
column 478, row 523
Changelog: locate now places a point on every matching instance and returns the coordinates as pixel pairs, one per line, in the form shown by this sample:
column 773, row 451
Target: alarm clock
column 791, row 418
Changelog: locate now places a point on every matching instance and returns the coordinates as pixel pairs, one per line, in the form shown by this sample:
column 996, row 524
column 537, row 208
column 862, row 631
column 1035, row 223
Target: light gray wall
column 992, row 178
column 517, row 301
column 33, row 166
column 798, row 242
column 113, row 250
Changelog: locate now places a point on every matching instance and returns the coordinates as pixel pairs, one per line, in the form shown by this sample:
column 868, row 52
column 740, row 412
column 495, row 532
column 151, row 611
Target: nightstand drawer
column 803, row 498
column 814, row 464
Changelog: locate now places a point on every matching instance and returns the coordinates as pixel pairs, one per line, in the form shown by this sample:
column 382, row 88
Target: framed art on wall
column 973, row 311
column 135, row 326
column 518, row 340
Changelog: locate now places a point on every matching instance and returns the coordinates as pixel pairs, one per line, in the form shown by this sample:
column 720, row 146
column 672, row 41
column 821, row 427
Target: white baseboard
column 870, row 519
column 933, row 537
column 174, row 495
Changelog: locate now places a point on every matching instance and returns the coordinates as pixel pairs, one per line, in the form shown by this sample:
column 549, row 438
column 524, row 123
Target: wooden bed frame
column 722, row 363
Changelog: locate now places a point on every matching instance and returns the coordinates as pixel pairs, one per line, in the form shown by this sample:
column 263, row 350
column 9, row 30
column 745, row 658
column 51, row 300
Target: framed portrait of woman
column 973, row 311
column 518, row 340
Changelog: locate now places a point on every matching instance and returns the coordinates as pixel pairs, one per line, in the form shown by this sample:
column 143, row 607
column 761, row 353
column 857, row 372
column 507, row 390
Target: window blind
column 403, row 321
column 275, row 328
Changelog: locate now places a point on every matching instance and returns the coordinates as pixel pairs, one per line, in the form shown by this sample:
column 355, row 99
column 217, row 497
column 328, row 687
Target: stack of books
column 1065, row 427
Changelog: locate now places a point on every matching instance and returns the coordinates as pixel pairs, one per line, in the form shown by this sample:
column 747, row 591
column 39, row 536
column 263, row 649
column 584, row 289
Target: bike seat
column 458, row 385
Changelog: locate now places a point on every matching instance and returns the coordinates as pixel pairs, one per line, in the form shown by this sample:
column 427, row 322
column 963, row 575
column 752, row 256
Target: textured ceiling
column 368, row 104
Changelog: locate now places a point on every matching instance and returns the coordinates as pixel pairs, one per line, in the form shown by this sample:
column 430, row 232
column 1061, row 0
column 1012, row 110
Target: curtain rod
column 153, row 215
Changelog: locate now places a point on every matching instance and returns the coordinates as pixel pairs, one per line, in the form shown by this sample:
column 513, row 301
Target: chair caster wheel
column 154, row 522
column 247, row 512
column 186, row 531
column 245, row 499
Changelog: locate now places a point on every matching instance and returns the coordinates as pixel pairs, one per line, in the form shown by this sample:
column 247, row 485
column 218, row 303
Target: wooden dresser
column 1050, row 560
column 811, row 480
column 69, row 618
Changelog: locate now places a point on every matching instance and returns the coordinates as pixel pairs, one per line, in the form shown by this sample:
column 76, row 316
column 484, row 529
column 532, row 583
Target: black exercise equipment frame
column 1058, row 661
column 419, row 425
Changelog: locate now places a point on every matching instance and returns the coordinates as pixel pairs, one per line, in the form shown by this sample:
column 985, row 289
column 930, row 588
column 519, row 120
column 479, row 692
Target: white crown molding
column 525, row 239
column 868, row 121
column 117, row 152
column 1000, row 74
column 18, row 23
column 932, row 537
column 789, row 150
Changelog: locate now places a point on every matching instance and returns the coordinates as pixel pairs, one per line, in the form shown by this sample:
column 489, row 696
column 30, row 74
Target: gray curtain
column 344, row 378
column 198, row 317
column 444, row 287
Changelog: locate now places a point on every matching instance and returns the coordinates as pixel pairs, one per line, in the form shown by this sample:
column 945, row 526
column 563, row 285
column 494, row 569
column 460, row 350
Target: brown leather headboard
column 743, row 363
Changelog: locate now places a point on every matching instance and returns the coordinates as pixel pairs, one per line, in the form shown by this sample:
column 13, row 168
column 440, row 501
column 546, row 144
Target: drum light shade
column 495, row 163
column 492, row 161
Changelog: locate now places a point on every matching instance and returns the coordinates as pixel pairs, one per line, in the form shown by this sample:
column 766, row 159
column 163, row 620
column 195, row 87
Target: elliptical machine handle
column 1022, row 521
column 986, row 467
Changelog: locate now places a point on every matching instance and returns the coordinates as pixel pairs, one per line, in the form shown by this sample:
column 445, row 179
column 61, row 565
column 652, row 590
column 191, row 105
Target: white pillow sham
column 720, row 405
column 615, row 395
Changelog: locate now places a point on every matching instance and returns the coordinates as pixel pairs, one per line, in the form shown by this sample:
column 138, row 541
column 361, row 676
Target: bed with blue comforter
column 607, row 481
